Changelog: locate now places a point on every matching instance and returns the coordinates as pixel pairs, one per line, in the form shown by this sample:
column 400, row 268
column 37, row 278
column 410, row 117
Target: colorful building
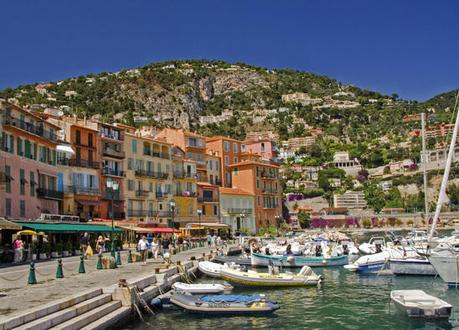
column 261, row 179
column 214, row 169
column 208, row 202
column 229, row 151
column 237, row 209
column 148, row 178
column 266, row 148
column 28, row 157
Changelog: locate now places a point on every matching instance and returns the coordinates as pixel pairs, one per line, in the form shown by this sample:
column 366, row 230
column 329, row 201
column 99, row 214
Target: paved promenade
column 16, row 295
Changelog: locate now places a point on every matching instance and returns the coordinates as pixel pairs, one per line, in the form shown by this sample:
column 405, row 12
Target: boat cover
column 230, row 298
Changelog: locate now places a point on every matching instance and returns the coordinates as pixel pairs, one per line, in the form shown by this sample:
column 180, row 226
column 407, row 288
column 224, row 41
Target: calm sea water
column 345, row 300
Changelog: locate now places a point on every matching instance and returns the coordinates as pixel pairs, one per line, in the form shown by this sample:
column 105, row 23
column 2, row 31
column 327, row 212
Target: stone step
column 46, row 309
column 61, row 316
column 86, row 318
column 108, row 321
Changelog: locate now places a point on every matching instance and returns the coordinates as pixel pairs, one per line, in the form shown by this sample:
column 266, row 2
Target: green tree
column 375, row 197
column 304, row 219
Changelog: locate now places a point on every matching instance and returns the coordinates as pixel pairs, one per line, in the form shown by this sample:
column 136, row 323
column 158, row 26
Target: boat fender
column 156, row 302
column 290, row 259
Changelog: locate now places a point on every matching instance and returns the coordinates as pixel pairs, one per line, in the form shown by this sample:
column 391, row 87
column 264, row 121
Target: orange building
column 230, row 152
column 193, row 144
column 261, row 179
column 208, row 202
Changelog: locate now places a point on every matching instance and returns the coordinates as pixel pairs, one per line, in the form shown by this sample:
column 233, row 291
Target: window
column 129, row 164
column 226, row 160
column 211, row 179
column 8, row 179
column 235, row 148
column 90, row 141
column 22, row 209
column 131, row 185
column 235, row 171
column 78, row 153
column 8, row 207
column 258, row 200
column 20, row 149
column 215, row 210
column 189, row 155
column 258, row 171
column 226, row 146
column 22, row 181
column 217, row 165
column 134, row 146
column 203, row 210
column 262, row 147
column 228, row 178
column 235, row 160
column 258, row 184
column 78, row 137
column 32, row 184
column 28, row 149
column 210, row 162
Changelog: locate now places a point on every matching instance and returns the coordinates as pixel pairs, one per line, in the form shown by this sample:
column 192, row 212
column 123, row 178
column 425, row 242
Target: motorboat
column 259, row 259
column 201, row 288
column 306, row 277
column 225, row 304
column 445, row 259
column 239, row 260
column 418, row 265
column 419, row 304
column 377, row 262
column 374, row 245
column 213, row 269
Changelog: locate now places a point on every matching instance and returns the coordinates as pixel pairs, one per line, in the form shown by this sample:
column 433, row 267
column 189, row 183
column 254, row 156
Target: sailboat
column 445, row 257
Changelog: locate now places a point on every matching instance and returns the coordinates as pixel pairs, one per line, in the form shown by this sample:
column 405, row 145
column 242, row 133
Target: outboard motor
column 306, row 270
column 318, row 250
column 378, row 245
column 345, row 250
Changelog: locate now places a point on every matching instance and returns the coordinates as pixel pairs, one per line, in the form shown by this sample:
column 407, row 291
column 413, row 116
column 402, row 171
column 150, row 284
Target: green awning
column 68, row 227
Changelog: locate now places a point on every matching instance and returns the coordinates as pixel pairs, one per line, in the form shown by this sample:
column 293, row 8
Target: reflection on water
column 345, row 300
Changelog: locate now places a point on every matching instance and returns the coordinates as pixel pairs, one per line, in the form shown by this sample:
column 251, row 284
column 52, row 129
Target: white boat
column 374, row 245
column 419, row 304
column 412, row 266
column 211, row 269
column 201, row 288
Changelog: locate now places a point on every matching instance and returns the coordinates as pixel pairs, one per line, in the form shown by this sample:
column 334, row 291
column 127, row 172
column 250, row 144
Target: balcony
column 119, row 216
column 207, row 199
column 31, row 128
column 239, row 211
column 142, row 213
column 178, row 175
column 111, row 135
column 116, row 196
column 86, row 145
column 79, row 163
column 81, row 190
column 142, row 193
column 161, row 195
column 201, row 164
column 152, row 174
column 112, row 172
column 185, row 194
column 110, row 152
column 49, row 194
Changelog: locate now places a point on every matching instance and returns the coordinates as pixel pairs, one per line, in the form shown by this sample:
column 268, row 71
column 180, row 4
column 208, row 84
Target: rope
column 42, row 274
column 14, row 279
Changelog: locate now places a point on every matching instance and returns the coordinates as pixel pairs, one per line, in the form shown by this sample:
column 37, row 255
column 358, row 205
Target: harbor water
column 344, row 300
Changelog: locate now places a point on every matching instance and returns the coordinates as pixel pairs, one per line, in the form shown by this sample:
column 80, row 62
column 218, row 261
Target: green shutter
column 32, row 184
column 8, row 180
column 27, row 149
column 19, row 146
column 12, row 144
column 54, row 155
column 35, row 151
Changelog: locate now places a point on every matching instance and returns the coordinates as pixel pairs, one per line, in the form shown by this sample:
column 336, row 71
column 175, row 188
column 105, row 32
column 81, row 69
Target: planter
column 65, row 253
column 34, row 256
column 54, row 255
column 43, row 256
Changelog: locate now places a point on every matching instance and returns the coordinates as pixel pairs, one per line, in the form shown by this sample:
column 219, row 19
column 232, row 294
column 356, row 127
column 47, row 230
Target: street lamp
column 242, row 216
column 112, row 187
column 172, row 207
column 199, row 217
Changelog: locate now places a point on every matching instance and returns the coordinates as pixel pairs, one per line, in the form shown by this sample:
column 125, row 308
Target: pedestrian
column 165, row 244
column 214, row 240
column 155, row 248
column 18, row 246
column 209, row 240
column 100, row 245
column 84, row 240
column 142, row 246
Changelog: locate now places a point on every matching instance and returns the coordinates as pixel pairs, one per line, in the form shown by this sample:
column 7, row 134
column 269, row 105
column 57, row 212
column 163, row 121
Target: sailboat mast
column 424, row 166
column 442, row 195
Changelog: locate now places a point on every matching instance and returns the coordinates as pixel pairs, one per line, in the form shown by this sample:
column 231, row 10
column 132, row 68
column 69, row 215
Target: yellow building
column 148, row 180
column 213, row 168
column 184, row 189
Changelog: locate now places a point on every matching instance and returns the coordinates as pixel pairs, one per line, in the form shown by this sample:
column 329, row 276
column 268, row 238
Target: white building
column 350, row 200
column 237, row 209
column 342, row 160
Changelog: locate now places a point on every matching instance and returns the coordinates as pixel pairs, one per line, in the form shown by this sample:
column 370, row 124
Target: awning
column 86, row 202
column 9, row 225
column 140, row 230
column 160, row 230
column 68, row 227
column 207, row 225
column 65, row 148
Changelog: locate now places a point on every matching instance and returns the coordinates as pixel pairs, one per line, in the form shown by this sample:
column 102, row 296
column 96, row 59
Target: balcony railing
column 185, row 193
column 112, row 172
column 31, row 128
column 49, row 194
column 79, row 163
column 119, row 215
column 202, row 199
column 161, row 194
column 239, row 211
column 142, row 213
column 142, row 193
column 112, row 136
column 201, row 163
column 116, row 196
column 81, row 190
column 113, row 153
column 152, row 174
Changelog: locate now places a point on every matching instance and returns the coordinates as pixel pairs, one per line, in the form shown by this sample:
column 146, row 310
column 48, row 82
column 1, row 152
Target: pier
column 93, row 300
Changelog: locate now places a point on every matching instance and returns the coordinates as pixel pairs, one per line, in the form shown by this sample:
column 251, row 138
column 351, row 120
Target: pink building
column 266, row 148
column 27, row 164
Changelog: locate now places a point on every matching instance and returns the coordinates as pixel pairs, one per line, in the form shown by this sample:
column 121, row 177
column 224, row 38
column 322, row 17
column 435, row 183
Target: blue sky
column 405, row 46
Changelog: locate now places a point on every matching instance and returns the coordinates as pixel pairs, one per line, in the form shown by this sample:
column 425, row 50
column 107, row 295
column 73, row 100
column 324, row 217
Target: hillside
column 218, row 97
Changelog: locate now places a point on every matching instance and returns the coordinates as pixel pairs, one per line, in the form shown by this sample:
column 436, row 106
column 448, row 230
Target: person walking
column 100, row 245
column 165, row 245
column 142, row 246
column 18, row 246
column 155, row 248
column 209, row 240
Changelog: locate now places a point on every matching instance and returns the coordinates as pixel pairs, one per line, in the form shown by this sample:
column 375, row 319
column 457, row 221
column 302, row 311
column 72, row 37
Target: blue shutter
column 96, row 183
column 60, row 182
column 81, row 180
column 75, row 180
column 88, row 181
